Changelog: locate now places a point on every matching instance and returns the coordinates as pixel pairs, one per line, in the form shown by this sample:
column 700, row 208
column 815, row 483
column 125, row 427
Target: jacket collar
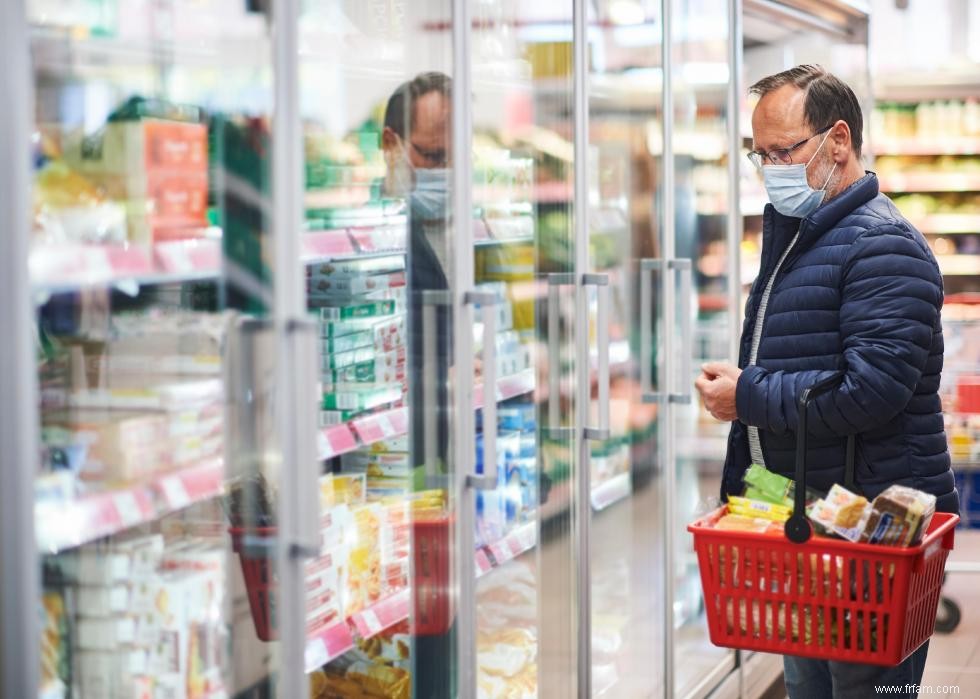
column 779, row 229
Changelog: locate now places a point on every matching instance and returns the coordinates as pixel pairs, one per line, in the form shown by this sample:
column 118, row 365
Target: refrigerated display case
column 363, row 344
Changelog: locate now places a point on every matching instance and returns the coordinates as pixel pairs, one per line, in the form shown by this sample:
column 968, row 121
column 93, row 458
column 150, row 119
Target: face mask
column 430, row 198
column 790, row 192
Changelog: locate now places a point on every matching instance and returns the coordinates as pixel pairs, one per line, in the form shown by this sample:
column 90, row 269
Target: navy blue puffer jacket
column 859, row 292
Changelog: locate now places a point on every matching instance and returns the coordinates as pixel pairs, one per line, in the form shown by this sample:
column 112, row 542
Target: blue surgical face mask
column 430, row 197
column 790, row 192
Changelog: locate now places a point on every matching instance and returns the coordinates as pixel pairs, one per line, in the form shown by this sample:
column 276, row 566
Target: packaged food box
column 352, row 311
column 361, row 400
column 841, row 512
column 340, row 360
column 136, row 393
column 758, row 509
column 389, row 324
column 899, row 516
column 389, row 367
column 357, row 266
column 336, row 489
column 105, row 633
column 349, row 286
column 383, row 338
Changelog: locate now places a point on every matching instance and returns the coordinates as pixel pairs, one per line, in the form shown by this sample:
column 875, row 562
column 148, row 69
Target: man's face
column 429, row 143
column 778, row 122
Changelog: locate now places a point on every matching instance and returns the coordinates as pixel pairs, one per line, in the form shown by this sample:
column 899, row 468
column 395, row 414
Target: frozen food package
column 351, row 311
column 899, row 517
column 365, row 399
column 353, row 286
column 357, row 266
column 394, row 324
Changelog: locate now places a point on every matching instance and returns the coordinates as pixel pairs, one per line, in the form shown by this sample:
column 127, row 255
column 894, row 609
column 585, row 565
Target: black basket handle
column 798, row 528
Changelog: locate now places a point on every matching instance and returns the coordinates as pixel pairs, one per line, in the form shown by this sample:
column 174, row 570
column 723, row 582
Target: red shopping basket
column 819, row 597
column 432, row 594
column 256, row 553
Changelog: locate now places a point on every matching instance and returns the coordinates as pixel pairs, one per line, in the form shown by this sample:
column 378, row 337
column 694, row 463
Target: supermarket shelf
column 361, row 432
column 337, row 639
column 65, row 525
column 959, row 265
column 947, row 223
column 67, row 268
column 925, row 146
column 930, row 182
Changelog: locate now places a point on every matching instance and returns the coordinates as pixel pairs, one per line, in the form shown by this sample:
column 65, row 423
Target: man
column 846, row 284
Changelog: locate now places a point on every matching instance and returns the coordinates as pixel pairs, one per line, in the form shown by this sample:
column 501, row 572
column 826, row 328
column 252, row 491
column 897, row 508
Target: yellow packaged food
column 757, row 508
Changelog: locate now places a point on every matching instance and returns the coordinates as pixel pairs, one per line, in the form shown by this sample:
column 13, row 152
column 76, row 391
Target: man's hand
column 717, row 388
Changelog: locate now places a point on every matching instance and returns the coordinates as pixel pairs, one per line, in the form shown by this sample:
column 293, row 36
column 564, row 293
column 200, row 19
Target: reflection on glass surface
column 624, row 239
column 523, row 160
column 701, row 49
column 151, row 170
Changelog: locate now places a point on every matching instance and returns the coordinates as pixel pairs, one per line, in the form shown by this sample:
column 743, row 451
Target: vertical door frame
column 288, row 313
column 581, row 502
column 461, row 281
column 735, row 223
column 667, row 442
column 20, row 592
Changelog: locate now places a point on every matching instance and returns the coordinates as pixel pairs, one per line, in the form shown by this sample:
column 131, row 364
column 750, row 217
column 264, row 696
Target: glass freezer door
column 625, row 230
column 165, row 510
column 527, row 631
column 698, row 293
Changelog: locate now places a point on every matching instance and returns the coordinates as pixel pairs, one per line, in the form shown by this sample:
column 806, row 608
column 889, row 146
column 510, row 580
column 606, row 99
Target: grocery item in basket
column 758, row 508
column 841, row 512
column 762, row 484
column 899, row 516
column 742, row 523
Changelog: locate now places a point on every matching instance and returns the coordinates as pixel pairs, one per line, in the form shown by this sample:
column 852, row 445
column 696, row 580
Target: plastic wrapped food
column 899, row 516
column 759, row 509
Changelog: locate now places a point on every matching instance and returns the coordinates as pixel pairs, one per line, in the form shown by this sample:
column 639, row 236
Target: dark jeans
column 826, row 679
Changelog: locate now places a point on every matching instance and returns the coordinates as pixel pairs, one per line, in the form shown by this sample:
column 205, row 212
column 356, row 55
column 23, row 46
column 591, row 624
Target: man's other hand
column 717, row 388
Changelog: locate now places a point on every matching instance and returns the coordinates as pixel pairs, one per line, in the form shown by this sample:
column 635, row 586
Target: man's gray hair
column 828, row 99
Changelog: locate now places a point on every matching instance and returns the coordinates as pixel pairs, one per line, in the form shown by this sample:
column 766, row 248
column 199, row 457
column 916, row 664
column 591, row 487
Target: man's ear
column 840, row 134
column 389, row 139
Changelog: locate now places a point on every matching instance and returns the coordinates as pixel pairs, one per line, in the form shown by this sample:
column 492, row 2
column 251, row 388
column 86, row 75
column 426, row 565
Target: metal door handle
column 647, row 394
column 430, row 376
column 303, row 345
column 488, row 302
column 556, row 280
column 601, row 283
column 685, row 268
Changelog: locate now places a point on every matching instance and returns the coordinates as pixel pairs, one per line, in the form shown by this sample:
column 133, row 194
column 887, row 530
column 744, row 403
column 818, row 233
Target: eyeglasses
column 780, row 156
column 439, row 156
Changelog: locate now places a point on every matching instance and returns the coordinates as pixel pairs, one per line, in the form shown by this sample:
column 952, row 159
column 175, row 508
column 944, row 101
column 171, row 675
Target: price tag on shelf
column 175, row 492
column 128, row 508
column 483, row 564
column 371, row 622
column 316, row 654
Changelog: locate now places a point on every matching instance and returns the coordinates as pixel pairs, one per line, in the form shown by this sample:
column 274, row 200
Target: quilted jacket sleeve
column 891, row 294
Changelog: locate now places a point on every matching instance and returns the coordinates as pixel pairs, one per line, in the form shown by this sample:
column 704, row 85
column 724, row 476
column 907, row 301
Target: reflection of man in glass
column 417, row 147
column 416, row 142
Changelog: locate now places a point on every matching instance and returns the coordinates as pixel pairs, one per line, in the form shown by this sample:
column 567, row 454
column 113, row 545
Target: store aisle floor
column 954, row 659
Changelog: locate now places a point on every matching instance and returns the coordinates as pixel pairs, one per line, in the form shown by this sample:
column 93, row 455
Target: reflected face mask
column 790, row 192
column 430, row 197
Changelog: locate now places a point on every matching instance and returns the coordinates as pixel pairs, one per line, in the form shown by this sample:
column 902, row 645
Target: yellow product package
column 757, row 508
